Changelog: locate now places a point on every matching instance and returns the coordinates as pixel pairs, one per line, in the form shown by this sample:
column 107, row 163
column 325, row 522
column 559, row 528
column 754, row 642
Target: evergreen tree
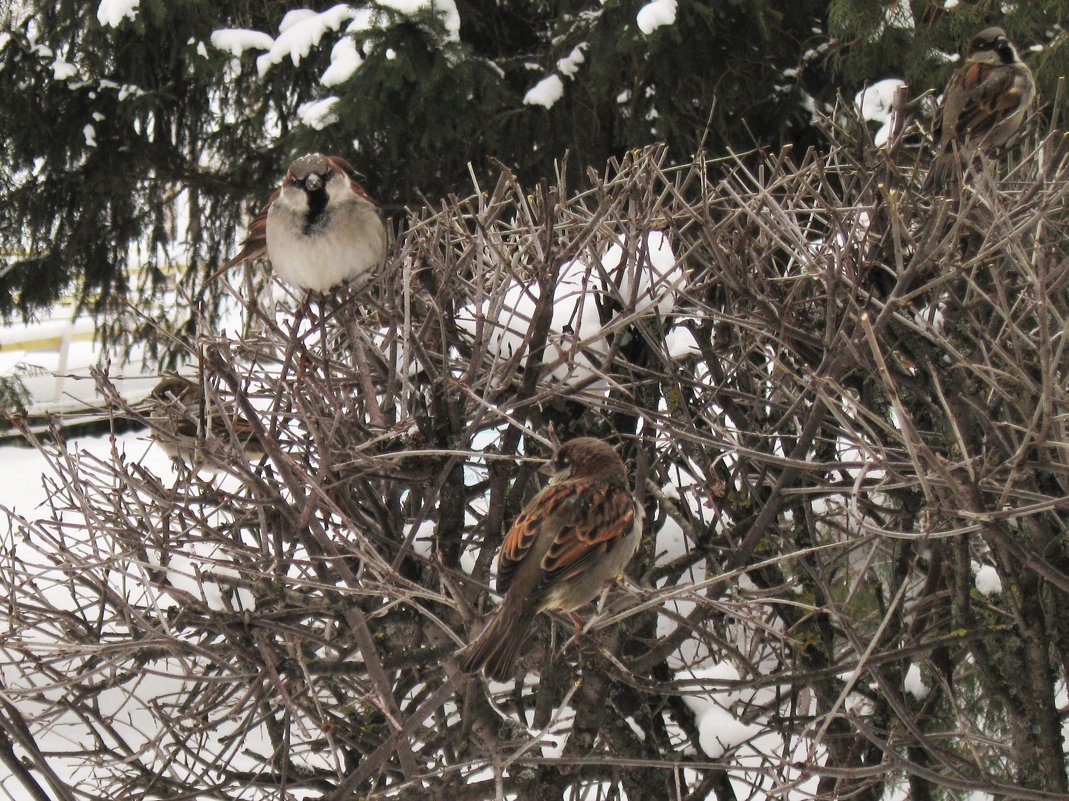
column 143, row 140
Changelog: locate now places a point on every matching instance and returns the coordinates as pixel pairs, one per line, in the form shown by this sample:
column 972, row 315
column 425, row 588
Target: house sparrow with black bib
column 568, row 543
column 984, row 105
column 319, row 229
column 196, row 433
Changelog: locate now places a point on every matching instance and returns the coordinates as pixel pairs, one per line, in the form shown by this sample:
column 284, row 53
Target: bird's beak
column 313, row 183
column 547, row 469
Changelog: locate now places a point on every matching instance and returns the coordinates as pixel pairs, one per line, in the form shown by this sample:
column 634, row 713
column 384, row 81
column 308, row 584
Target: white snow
column 656, row 14
column 949, row 5
column 344, row 61
column 236, row 41
column 364, row 19
column 113, row 12
column 189, row 567
column 680, row 343
column 876, row 103
column 62, row 70
column 318, row 114
column 299, row 32
column 295, row 16
column 423, row 539
column 302, row 29
column 569, row 65
column 546, row 92
column 987, row 580
column 657, row 271
column 719, row 731
column 90, row 134
column 645, row 282
column 809, row 103
column 22, row 490
column 703, row 700
column 575, row 312
column 914, row 682
column 128, row 90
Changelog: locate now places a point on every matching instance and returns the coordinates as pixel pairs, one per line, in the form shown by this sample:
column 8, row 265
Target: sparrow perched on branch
column 188, row 430
column 319, row 229
column 984, row 105
column 573, row 538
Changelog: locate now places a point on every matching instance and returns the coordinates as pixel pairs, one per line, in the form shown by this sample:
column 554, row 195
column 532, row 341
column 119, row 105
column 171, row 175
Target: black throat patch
column 317, row 205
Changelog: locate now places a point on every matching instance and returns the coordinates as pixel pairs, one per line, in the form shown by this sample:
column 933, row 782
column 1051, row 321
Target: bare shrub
column 845, row 411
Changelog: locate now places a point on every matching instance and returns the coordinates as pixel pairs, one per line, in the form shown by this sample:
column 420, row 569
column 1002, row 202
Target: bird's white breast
column 347, row 243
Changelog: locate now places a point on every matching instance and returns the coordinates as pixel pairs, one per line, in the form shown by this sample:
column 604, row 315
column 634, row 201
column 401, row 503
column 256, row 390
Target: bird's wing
column 588, row 519
column 254, row 246
column 992, row 95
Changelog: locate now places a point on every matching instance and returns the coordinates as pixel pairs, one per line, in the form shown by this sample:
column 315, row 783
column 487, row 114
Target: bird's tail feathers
column 496, row 649
column 944, row 175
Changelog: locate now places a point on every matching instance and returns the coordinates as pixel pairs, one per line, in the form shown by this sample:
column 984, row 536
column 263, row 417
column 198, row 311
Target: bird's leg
column 579, row 623
column 577, row 633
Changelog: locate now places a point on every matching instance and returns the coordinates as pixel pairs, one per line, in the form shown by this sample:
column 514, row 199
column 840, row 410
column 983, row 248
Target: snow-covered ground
column 61, row 382
column 24, row 468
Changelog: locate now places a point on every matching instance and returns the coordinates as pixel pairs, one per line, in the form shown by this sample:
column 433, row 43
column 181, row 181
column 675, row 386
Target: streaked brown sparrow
column 573, row 538
column 319, row 229
column 196, row 433
column 984, row 105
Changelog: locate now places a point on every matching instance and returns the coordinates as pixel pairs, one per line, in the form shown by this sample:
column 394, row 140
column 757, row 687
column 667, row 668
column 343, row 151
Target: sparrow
column 573, row 538
column 188, row 430
column 319, row 229
column 984, row 104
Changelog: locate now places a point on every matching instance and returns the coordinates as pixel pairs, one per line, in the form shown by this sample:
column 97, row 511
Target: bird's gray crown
column 311, row 164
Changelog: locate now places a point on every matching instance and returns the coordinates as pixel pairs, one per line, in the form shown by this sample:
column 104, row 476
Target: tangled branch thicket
column 845, row 409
